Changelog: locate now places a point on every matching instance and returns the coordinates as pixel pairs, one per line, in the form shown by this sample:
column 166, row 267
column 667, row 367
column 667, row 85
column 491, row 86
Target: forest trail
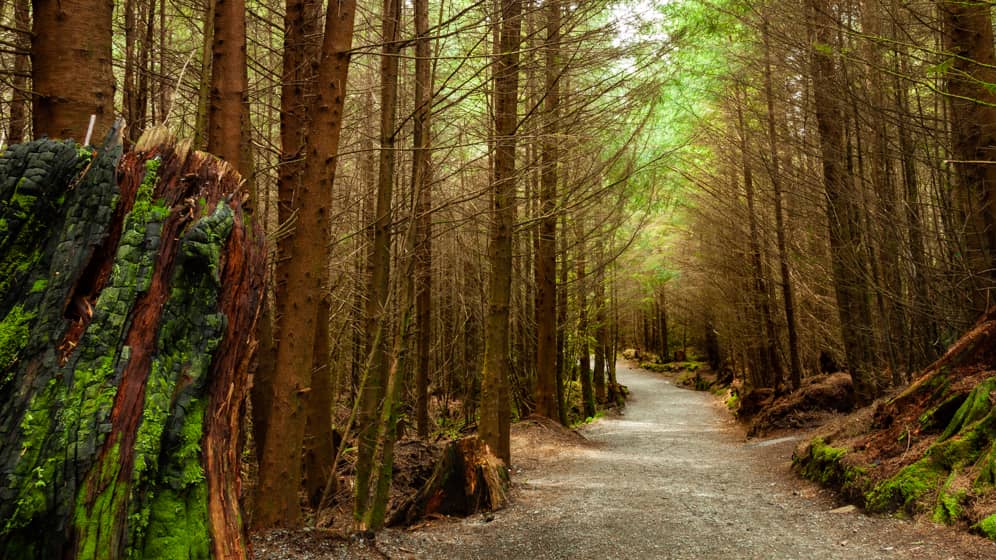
column 672, row 478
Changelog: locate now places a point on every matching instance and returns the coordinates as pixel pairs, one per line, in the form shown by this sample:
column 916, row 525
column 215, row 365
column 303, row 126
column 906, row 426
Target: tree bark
column 20, row 96
column 130, row 87
column 467, row 479
column 124, row 383
column 276, row 501
column 495, row 407
column 228, row 106
column 71, row 67
column 373, row 392
column 923, row 319
column 584, row 349
column 788, row 296
column 968, row 38
column 770, row 364
column 146, row 15
column 204, row 88
column 561, row 294
column 422, row 183
column 601, row 329
column 546, row 254
column 842, row 210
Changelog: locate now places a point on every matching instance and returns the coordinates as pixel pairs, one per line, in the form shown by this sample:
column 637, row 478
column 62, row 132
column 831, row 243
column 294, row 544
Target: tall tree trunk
column 614, row 344
column 770, row 364
column 300, row 63
column 130, row 86
column 601, row 326
column 204, row 87
column 373, row 392
column 495, row 407
column 584, row 349
column 276, row 502
column 387, row 424
column 886, row 240
column 561, row 294
column 163, row 76
column 923, row 319
column 546, row 253
column 228, row 110
column 788, row 297
column 20, row 96
column 71, row 86
column 663, row 341
column 842, row 208
column 422, row 184
column 147, row 14
column 968, row 37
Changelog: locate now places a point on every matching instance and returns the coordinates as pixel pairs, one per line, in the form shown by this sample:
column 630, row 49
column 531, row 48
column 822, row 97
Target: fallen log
column 129, row 287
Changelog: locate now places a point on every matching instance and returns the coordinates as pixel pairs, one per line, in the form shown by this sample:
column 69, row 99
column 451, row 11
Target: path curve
column 672, row 478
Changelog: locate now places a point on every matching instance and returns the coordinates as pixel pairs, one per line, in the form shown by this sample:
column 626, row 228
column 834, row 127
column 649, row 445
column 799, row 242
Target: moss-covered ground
column 930, row 451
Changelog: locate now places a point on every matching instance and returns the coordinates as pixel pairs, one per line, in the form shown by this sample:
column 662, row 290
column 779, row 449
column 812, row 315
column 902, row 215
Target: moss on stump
column 130, row 286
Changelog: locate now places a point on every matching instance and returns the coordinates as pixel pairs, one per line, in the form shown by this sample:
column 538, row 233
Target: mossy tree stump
column 129, row 287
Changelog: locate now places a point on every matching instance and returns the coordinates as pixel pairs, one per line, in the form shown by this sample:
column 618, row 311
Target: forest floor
column 671, row 477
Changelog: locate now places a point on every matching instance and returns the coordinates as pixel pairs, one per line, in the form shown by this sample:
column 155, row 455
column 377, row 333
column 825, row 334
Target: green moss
column 938, row 417
column 987, row 527
column 94, row 515
column 987, row 469
column 35, row 472
column 949, row 504
column 968, row 445
column 904, row 489
column 29, row 204
column 13, row 336
column 39, row 286
column 823, row 463
column 172, row 522
column 175, row 524
column 84, row 397
column 733, row 402
column 975, row 407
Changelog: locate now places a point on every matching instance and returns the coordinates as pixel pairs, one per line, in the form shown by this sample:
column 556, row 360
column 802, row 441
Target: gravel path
column 672, row 478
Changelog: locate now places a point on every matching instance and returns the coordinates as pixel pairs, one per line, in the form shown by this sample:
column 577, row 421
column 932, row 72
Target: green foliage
column 448, row 428
column 733, row 402
column 987, row 527
column 591, row 419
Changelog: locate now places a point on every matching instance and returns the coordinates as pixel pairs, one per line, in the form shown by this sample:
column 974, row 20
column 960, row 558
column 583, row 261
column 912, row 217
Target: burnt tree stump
column 467, row 479
column 129, row 287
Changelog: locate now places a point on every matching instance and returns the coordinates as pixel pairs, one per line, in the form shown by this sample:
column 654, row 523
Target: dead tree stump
column 129, row 287
column 467, row 479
